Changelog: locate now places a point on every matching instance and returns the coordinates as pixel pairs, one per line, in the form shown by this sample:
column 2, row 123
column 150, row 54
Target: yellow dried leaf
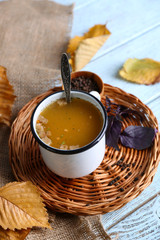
column 6, row 97
column 13, row 235
column 87, row 42
column 142, row 71
column 96, row 31
column 87, row 50
column 21, row 207
column 73, row 44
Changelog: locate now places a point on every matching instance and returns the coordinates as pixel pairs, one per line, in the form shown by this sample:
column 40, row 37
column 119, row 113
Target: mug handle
column 95, row 94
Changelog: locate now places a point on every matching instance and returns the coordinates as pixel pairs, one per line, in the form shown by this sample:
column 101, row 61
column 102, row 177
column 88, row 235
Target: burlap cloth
column 33, row 35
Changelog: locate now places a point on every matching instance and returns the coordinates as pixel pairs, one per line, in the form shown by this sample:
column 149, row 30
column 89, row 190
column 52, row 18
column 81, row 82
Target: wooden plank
column 125, row 27
column 111, row 219
column 125, row 19
column 107, row 66
column 114, row 219
column 143, row 224
column 154, row 104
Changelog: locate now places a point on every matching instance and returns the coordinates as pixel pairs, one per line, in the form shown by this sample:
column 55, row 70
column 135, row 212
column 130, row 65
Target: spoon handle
column 66, row 76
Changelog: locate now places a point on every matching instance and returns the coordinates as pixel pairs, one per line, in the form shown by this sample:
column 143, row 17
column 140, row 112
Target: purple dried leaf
column 108, row 104
column 137, row 137
column 113, row 132
column 118, row 110
column 118, row 117
column 122, row 110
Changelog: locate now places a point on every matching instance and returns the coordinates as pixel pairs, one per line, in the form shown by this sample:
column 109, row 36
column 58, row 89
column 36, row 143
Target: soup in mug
column 69, row 126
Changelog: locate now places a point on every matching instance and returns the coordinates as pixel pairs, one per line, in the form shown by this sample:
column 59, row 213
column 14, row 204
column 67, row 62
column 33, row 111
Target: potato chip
column 77, row 45
column 6, row 97
column 142, row 71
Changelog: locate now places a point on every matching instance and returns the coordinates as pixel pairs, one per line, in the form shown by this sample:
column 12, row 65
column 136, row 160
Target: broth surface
column 69, row 126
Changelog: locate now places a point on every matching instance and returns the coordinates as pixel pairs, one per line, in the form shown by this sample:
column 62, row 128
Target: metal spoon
column 66, row 76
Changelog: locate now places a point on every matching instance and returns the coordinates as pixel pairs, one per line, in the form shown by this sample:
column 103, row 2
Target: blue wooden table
column 135, row 28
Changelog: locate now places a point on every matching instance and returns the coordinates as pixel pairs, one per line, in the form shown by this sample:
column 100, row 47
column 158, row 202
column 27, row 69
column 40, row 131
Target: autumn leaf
column 87, row 50
column 83, row 48
column 142, row 71
column 13, row 235
column 6, row 97
column 73, row 44
column 21, row 207
column 96, row 31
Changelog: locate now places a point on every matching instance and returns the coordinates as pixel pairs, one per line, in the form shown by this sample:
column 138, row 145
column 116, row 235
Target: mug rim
column 77, row 150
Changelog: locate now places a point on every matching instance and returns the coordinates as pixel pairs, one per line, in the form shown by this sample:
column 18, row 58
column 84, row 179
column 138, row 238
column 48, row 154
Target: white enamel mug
column 77, row 162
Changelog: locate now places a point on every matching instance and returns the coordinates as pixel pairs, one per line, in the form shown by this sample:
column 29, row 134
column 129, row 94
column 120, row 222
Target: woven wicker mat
column 122, row 175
